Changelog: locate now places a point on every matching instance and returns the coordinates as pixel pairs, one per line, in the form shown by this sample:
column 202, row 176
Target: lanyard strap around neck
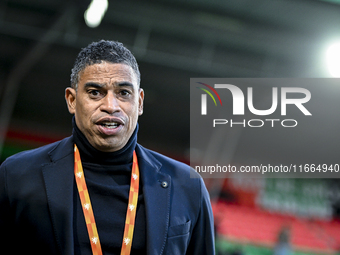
column 88, row 212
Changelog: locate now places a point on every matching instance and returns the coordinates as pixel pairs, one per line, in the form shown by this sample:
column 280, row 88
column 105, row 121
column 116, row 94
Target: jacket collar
column 59, row 181
column 63, row 149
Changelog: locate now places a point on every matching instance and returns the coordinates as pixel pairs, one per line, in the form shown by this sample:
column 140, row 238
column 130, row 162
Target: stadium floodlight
column 95, row 12
column 333, row 59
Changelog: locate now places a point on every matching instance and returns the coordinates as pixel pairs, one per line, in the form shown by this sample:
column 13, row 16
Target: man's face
column 106, row 104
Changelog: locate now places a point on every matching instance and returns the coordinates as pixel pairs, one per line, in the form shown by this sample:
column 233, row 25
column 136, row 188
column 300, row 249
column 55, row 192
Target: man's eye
column 94, row 92
column 125, row 93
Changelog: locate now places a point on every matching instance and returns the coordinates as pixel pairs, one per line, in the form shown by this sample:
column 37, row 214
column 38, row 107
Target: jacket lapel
column 157, row 201
column 59, row 181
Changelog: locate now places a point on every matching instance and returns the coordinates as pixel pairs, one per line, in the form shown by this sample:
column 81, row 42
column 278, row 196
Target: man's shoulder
column 34, row 156
column 170, row 165
column 189, row 184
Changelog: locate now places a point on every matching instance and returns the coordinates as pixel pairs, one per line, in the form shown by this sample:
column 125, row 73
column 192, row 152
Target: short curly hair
column 96, row 52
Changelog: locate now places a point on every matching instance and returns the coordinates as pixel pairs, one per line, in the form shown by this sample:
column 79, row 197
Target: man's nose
column 110, row 103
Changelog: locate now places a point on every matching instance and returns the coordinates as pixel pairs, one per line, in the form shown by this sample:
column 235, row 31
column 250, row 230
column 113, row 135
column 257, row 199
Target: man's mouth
column 112, row 125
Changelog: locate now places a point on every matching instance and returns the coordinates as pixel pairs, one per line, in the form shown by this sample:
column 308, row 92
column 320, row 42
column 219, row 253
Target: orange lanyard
column 88, row 212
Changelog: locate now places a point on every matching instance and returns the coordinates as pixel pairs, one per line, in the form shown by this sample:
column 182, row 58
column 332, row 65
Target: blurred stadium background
column 174, row 41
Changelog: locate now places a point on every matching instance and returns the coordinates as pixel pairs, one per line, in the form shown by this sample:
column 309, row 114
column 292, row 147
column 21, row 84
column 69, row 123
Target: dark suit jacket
column 36, row 203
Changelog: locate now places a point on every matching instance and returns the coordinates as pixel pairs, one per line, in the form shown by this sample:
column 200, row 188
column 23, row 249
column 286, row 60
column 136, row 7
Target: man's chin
column 110, row 145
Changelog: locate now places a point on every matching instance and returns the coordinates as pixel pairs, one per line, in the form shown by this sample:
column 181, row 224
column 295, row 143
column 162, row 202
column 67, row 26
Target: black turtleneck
column 108, row 176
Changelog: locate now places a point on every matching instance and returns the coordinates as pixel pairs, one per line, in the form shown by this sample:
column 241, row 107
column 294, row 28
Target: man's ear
column 141, row 102
column 70, row 96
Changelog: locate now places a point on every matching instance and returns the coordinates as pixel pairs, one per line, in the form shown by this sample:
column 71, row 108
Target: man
column 98, row 191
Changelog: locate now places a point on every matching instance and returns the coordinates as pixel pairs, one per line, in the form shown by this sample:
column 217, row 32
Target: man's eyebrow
column 100, row 85
column 94, row 85
column 124, row 83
